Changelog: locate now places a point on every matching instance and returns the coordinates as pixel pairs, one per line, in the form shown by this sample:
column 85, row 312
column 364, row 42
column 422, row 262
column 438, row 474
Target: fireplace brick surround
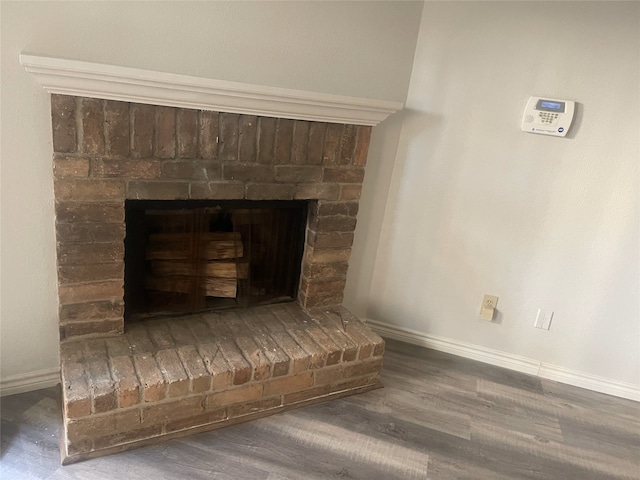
column 127, row 386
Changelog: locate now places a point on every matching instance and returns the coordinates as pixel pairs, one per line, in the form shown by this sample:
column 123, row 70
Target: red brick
column 334, row 223
column 334, row 352
column 192, row 170
column 336, row 332
column 307, row 394
column 298, row 174
column 151, row 378
column 289, row 384
column 101, row 385
column 324, row 209
column 347, row 145
column 93, row 425
column 284, row 140
column 90, row 232
column 318, row 300
column 138, row 337
column 167, row 411
column 181, row 334
column 343, row 174
column 187, row 137
column 276, row 355
column 330, row 240
column 90, row 327
column 117, row 128
column 220, row 370
column 327, row 255
column 260, row 363
column 90, row 212
column 199, row 378
column 317, row 191
column 197, row 420
column 267, row 191
column 208, row 123
column 90, row 291
column 75, row 389
column 243, row 394
column 322, row 287
column 241, row 369
column 363, row 368
column 266, row 140
column 90, row 273
column 165, row 132
column 300, row 142
column 63, row 118
column 362, row 146
column 247, row 173
column 64, row 167
column 318, row 356
column 248, row 131
column 174, row 373
column 315, row 148
column 118, row 347
column 80, row 190
column 160, row 335
column 155, row 190
column 90, row 253
column 218, row 191
column 126, row 168
column 325, row 270
column 92, row 126
column 332, row 139
column 143, row 126
column 127, row 385
column 228, row 141
column 350, row 192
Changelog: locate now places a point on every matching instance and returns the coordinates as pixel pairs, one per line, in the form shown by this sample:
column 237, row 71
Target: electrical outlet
column 489, row 304
column 489, row 301
column 543, row 319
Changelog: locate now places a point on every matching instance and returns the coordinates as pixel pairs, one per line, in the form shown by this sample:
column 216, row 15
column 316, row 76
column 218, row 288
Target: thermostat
column 547, row 116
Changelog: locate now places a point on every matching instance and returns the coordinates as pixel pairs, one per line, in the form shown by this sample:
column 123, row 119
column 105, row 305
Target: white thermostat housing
column 548, row 116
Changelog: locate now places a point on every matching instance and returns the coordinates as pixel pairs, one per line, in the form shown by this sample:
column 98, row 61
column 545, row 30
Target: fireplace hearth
column 167, row 216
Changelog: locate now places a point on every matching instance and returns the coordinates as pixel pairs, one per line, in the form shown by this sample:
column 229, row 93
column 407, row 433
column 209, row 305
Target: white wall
column 350, row 48
column 476, row 206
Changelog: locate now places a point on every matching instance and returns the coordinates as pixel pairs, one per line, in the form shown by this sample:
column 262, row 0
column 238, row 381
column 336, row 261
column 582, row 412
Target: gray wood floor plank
column 439, row 417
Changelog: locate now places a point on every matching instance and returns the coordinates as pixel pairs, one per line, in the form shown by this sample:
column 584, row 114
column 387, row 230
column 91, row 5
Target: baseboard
column 508, row 360
column 27, row 382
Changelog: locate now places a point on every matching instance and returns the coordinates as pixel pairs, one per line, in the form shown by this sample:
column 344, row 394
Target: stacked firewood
column 205, row 263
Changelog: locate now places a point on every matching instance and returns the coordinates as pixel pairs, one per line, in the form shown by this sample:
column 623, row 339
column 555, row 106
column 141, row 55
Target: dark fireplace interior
column 188, row 256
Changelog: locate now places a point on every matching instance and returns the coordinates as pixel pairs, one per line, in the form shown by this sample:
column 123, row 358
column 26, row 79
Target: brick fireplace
column 126, row 385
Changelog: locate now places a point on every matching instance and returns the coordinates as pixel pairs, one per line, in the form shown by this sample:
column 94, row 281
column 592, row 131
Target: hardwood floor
column 439, row 417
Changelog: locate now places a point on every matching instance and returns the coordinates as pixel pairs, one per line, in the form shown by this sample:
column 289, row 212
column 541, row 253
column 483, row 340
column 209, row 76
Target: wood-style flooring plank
column 439, row 417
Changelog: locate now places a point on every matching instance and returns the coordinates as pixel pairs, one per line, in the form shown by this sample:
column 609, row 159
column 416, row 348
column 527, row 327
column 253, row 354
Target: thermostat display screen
column 549, row 106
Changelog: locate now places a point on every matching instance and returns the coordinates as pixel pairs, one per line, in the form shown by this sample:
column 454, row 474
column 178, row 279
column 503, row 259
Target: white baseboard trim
column 27, row 382
column 508, row 360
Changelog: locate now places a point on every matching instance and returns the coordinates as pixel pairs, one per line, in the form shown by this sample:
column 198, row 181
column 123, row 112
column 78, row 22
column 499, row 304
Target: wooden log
column 209, row 286
column 179, row 246
column 223, row 249
column 186, row 237
column 221, row 287
column 209, row 269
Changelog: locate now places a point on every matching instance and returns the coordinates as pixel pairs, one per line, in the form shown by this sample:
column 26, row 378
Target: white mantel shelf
column 96, row 80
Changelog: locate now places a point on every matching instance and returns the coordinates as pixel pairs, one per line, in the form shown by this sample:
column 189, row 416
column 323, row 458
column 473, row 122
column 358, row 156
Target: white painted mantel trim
column 96, row 80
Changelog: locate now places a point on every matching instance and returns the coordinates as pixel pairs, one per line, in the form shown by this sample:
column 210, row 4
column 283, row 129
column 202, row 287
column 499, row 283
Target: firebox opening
column 187, row 256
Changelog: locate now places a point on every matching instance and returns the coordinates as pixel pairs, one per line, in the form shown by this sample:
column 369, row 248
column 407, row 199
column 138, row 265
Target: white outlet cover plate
column 543, row 319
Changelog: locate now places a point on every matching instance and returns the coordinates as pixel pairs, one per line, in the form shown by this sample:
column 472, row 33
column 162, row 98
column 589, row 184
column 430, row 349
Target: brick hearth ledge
column 168, row 378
